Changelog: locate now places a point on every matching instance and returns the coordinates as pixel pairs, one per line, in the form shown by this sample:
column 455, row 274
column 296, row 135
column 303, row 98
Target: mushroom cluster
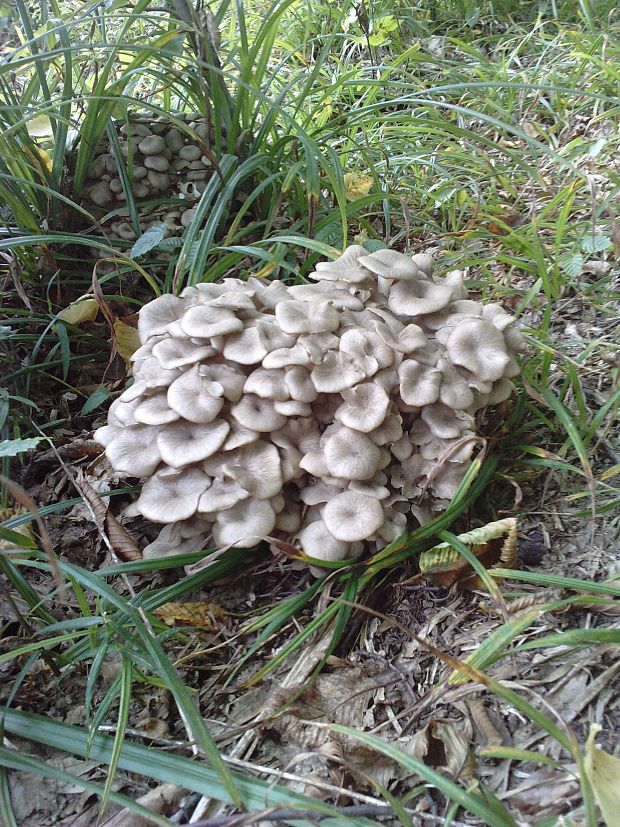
column 162, row 162
column 331, row 414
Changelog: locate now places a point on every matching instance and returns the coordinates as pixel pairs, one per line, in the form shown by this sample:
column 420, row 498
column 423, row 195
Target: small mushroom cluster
column 331, row 414
column 162, row 162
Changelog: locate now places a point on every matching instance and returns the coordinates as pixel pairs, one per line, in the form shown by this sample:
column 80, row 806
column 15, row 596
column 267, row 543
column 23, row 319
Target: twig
column 272, row 814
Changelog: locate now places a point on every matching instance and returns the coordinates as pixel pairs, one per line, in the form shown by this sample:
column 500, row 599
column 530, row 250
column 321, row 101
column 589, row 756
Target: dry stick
column 274, row 814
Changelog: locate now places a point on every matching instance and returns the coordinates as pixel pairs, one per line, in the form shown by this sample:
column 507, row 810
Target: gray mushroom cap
column 195, row 398
column 336, row 373
column 352, row 455
column 364, row 408
column 390, row 264
column 155, row 316
column 479, row 347
column 245, row 524
column 245, row 347
column 134, row 451
column 257, row 414
column 169, row 498
column 155, row 410
column 417, row 297
column 220, row 495
column 206, row 321
column 184, row 443
column 305, row 317
column 419, row 384
column 176, row 353
column 256, row 467
column 352, row 516
column 346, row 268
column 316, row 541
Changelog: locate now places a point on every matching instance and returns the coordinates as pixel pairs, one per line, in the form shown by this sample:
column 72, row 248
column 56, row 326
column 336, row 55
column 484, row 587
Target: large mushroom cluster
column 162, row 162
column 331, row 414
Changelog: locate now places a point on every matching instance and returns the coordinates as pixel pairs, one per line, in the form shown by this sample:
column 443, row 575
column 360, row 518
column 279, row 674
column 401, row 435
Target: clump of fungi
column 332, row 415
column 162, row 161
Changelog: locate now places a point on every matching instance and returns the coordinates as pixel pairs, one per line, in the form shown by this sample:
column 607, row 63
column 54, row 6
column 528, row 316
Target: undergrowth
column 492, row 138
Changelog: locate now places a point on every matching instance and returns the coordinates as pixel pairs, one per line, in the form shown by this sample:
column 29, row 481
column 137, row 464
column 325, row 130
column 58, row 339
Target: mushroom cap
column 291, row 407
column 176, row 353
column 443, row 421
column 272, row 336
column 230, row 378
column 425, row 263
column 245, row 524
column 419, row 384
column 352, row 455
column 256, row 467
column 257, row 414
column 299, row 385
column 417, row 297
column 317, row 541
column 406, row 340
column 268, row 384
column 390, row 430
column 365, row 407
column 220, row 495
column 134, row 451
column 155, row 410
column 352, row 516
column 157, row 314
column 284, row 357
column 345, row 268
column 340, row 297
column 239, row 436
column 479, row 347
column 245, row 348
column 367, row 350
column 168, row 498
column 336, row 373
column 307, row 317
column 183, row 443
column 390, row 264
column 195, row 398
column 206, row 321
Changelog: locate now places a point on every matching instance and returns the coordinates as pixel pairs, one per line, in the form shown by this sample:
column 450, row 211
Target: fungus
column 332, row 414
column 352, row 516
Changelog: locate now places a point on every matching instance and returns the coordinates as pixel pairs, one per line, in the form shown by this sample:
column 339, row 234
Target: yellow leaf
column 127, row 339
column 206, row 615
column 84, row 309
column 603, row 771
column 40, row 127
column 356, row 185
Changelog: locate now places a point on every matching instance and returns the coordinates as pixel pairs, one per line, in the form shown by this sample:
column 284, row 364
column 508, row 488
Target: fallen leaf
column 603, row 771
column 494, row 544
column 163, row 799
column 357, row 184
column 127, row 339
column 207, row 616
column 82, row 310
column 120, row 539
column 441, row 745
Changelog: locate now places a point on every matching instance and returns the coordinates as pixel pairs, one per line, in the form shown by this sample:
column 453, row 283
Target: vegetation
column 486, row 129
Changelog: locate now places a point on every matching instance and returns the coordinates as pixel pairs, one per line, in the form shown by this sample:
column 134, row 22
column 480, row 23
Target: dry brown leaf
column 494, row 544
column 120, row 539
column 163, row 799
column 207, row 616
column 441, row 745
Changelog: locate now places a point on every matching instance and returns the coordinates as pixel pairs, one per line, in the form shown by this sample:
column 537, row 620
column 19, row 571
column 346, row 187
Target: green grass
column 487, row 134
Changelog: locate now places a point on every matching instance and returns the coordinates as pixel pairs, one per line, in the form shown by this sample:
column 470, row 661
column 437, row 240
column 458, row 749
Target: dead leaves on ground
column 202, row 615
